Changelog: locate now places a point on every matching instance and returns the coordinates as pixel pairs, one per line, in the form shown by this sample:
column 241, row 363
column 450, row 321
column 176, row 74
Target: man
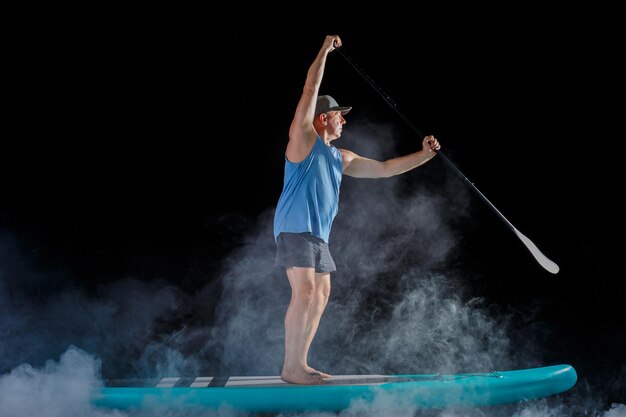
column 308, row 205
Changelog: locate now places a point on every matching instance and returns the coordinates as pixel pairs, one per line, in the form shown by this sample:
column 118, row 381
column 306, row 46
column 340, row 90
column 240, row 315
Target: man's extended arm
column 301, row 132
column 358, row 166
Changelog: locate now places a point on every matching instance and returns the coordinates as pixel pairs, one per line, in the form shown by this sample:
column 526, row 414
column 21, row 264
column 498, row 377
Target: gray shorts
column 303, row 250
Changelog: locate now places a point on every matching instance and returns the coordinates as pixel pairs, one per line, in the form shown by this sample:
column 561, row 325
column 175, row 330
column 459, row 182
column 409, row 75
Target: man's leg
column 301, row 322
column 320, row 300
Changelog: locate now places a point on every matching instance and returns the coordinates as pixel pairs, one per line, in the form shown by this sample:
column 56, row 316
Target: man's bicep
column 360, row 167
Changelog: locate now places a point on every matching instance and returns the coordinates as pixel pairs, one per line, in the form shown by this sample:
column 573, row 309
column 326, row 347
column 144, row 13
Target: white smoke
column 58, row 389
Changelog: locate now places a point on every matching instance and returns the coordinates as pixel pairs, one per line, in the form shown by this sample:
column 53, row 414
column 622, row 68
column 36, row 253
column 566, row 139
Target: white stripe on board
column 201, row 382
column 357, row 377
column 167, row 382
column 373, row 379
column 256, row 381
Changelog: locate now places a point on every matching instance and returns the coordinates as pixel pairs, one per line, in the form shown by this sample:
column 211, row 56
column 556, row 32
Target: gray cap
column 327, row 103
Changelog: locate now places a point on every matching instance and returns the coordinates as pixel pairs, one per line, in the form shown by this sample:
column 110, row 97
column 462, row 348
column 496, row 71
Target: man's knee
column 323, row 287
column 305, row 292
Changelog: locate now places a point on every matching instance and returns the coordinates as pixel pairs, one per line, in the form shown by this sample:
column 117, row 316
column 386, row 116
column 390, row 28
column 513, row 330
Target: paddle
column 543, row 260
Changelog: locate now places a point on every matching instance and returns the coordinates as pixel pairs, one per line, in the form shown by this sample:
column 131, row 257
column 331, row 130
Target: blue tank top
column 310, row 198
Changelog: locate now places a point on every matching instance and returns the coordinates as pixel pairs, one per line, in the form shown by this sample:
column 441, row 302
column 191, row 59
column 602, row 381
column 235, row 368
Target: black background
column 149, row 149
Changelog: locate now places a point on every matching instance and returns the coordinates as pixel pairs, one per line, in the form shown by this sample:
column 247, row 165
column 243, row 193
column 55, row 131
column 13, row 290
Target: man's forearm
column 406, row 163
column 316, row 71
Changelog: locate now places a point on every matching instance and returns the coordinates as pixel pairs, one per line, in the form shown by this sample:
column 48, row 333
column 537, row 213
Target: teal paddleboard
column 271, row 394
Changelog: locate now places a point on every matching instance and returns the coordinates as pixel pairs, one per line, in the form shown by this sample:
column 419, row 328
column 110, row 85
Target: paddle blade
column 540, row 257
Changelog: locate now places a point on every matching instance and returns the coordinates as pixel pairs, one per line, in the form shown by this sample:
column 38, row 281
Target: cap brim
column 343, row 110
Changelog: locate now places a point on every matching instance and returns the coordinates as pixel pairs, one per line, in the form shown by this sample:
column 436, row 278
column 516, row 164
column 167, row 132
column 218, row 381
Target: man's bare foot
column 302, row 377
column 315, row 371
